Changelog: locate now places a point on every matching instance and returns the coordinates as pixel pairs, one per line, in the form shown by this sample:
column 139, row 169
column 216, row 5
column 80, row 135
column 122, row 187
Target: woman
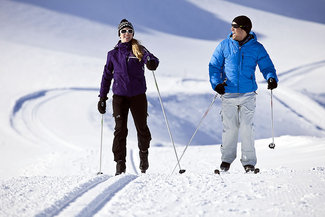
column 125, row 64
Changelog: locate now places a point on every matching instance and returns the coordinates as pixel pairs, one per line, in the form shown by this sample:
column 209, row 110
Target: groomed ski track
column 125, row 195
column 90, row 197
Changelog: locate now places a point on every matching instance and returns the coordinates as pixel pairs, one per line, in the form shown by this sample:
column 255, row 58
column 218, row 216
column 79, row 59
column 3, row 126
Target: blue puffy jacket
column 126, row 70
column 238, row 63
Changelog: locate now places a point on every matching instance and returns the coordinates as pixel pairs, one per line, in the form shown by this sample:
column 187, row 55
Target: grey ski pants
column 237, row 115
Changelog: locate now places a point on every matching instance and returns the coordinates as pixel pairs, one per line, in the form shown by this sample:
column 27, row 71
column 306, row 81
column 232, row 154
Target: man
column 232, row 75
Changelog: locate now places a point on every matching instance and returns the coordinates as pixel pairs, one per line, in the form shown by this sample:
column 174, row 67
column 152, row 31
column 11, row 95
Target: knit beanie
column 244, row 23
column 125, row 23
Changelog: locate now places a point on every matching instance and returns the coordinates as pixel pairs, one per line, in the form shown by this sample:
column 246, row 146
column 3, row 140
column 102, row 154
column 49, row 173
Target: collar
column 245, row 40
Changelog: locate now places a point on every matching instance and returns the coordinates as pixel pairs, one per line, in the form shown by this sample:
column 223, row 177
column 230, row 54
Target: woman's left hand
column 152, row 65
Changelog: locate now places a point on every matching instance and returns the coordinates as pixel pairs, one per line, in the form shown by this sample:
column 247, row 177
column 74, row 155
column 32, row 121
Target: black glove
column 271, row 84
column 102, row 105
column 152, row 65
column 220, row 88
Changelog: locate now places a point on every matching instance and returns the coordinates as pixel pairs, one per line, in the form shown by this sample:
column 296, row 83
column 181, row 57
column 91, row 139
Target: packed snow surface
column 52, row 58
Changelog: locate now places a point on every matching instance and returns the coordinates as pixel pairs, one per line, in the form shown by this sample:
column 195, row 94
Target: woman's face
column 126, row 34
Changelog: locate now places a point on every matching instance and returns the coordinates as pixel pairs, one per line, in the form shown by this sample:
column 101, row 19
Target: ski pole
column 197, row 128
column 272, row 145
column 204, row 115
column 101, row 145
column 166, row 121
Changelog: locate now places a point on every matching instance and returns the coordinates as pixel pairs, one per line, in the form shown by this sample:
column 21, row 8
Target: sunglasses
column 123, row 31
column 235, row 25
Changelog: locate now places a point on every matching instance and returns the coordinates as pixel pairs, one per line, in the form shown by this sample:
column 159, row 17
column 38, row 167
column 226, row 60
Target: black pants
column 139, row 110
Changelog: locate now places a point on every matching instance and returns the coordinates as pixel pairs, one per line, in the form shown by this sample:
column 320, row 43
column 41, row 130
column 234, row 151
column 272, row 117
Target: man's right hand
column 220, row 88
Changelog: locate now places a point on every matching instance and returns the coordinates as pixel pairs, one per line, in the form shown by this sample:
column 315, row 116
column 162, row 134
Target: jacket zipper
column 239, row 70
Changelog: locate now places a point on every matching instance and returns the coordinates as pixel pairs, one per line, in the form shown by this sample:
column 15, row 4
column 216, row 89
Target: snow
column 53, row 53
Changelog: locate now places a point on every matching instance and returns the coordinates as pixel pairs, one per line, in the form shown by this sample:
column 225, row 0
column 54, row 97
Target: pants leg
column 139, row 110
column 229, row 117
column 247, row 130
column 120, row 113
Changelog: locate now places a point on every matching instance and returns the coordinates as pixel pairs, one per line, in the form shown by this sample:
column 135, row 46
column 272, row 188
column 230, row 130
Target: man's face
column 238, row 33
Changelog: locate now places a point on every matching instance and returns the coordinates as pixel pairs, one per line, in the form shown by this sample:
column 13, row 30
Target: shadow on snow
column 175, row 17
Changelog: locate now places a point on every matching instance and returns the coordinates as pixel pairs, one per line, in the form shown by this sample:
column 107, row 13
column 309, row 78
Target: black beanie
column 244, row 23
column 124, row 23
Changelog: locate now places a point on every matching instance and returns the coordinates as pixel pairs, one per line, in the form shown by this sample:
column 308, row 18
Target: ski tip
column 182, row 171
column 216, row 171
column 257, row 170
column 100, row 173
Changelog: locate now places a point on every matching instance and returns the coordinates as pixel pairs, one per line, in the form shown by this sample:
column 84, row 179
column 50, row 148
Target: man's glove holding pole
column 220, row 88
column 271, row 84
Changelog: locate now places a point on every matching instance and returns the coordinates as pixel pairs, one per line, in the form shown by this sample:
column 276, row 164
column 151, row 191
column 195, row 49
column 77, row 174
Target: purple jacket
column 127, row 71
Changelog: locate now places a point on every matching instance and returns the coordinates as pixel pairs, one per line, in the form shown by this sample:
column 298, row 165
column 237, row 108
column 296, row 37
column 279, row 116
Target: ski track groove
column 90, row 197
column 105, row 196
column 300, row 70
column 26, row 121
column 132, row 162
column 61, row 204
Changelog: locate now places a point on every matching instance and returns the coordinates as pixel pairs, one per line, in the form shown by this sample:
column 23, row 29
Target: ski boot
column 249, row 168
column 144, row 164
column 224, row 166
column 120, row 167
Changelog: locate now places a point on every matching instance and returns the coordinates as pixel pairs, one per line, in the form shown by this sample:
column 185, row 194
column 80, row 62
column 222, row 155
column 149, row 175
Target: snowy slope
column 52, row 58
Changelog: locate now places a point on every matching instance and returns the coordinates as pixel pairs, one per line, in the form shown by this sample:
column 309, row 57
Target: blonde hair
column 137, row 49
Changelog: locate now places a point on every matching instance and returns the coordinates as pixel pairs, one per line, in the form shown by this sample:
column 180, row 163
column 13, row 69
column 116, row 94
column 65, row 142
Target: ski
column 217, row 171
column 255, row 171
